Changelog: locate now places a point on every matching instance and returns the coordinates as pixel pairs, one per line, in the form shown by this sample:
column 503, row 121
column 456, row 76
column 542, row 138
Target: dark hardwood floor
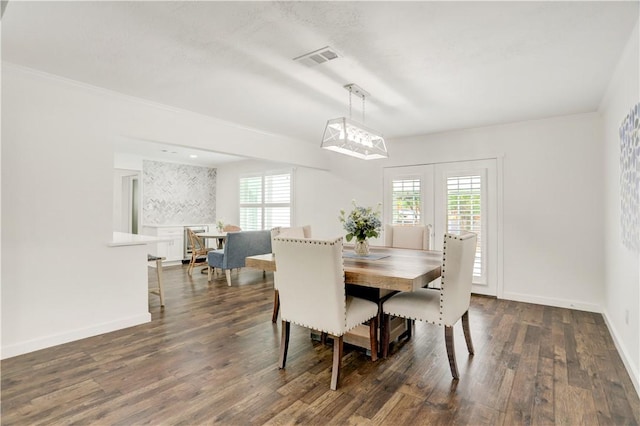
column 210, row 357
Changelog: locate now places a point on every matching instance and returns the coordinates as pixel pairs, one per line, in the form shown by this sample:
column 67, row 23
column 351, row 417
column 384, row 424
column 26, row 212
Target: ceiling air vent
column 317, row 57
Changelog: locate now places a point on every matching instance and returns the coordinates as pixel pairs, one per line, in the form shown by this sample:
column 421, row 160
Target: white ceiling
column 428, row 66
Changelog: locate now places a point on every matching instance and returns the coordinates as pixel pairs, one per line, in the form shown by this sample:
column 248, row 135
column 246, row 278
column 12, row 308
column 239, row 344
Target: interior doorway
column 127, row 201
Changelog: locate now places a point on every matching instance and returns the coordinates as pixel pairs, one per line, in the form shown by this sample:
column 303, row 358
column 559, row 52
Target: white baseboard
column 549, row 301
column 632, row 369
column 82, row 333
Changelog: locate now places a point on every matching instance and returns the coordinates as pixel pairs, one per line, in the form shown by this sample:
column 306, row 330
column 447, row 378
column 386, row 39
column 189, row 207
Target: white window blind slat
column 464, row 211
column 251, row 190
column 278, row 188
column 405, row 196
column 250, row 218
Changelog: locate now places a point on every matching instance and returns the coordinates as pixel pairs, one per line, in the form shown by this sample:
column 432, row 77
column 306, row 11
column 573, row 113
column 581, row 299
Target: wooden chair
column 444, row 307
column 407, row 236
column 198, row 249
column 312, row 294
column 295, row 232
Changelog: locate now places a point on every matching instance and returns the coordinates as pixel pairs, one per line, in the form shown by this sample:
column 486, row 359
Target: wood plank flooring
column 210, row 357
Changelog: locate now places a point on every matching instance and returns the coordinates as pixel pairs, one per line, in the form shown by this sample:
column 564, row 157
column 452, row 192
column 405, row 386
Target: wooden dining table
column 376, row 277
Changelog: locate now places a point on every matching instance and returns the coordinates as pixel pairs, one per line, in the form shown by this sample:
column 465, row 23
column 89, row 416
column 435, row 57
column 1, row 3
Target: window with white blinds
column 405, row 198
column 464, row 211
column 265, row 200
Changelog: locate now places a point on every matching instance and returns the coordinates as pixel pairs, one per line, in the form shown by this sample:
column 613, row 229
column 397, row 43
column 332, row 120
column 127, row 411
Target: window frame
column 263, row 205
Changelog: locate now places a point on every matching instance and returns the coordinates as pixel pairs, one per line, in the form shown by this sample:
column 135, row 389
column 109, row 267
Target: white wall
column 622, row 267
column 60, row 280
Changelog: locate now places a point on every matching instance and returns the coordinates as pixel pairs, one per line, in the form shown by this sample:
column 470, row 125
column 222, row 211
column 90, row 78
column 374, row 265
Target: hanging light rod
column 349, row 137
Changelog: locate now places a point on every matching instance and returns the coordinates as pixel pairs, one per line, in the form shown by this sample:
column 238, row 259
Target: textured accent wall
column 630, row 179
column 177, row 194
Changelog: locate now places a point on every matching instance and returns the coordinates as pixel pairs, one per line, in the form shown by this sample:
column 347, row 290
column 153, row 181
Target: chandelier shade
column 349, row 137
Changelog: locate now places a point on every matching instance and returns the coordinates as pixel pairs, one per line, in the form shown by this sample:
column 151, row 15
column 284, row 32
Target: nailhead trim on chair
column 310, row 241
column 323, row 331
column 324, row 243
column 444, row 258
column 442, row 276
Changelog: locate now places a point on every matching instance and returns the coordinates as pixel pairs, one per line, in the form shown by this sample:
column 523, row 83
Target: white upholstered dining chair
column 407, row 236
column 312, row 294
column 444, row 307
column 292, row 232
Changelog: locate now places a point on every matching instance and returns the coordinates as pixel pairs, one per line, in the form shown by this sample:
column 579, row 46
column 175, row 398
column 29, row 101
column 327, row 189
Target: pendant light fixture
column 349, row 137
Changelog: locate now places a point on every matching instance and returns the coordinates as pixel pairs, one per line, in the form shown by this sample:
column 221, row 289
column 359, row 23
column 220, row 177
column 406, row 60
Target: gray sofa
column 237, row 247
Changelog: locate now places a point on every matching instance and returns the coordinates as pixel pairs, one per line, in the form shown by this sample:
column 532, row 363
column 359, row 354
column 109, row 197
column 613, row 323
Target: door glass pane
column 405, row 195
column 464, row 210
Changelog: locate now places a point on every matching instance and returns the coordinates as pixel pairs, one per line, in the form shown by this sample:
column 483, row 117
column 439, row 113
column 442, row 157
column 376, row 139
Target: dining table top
column 385, row 267
column 212, row 234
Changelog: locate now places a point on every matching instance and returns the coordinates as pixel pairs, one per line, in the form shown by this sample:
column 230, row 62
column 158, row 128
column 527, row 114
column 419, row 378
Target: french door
column 450, row 197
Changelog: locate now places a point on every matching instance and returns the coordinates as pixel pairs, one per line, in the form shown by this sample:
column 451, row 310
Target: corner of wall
column 627, row 359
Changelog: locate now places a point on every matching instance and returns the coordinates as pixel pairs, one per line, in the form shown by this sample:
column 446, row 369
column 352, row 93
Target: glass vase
column 362, row 247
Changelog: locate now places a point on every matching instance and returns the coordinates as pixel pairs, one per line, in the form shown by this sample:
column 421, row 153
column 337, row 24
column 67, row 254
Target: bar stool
column 159, row 290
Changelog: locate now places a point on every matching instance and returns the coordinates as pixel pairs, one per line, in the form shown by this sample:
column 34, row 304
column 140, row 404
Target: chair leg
column 284, row 343
column 338, row 345
column 385, row 334
column 373, row 337
column 227, row 272
column 160, row 287
column 467, row 332
column 209, row 273
column 276, row 306
column 192, row 263
column 410, row 323
column 451, row 351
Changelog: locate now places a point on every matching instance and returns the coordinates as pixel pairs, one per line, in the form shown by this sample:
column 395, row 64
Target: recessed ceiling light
column 193, row 156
